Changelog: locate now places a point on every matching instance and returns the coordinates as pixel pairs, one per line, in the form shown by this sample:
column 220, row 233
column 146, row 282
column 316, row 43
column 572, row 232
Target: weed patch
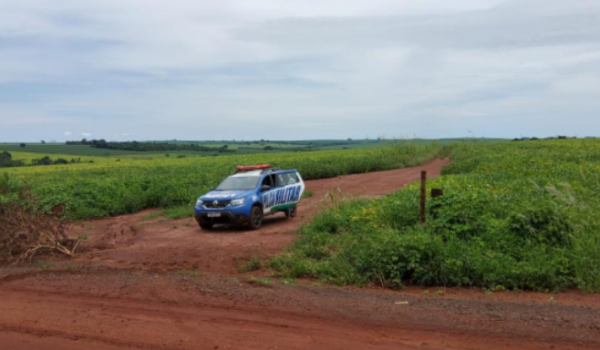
column 178, row 212
column 253, row 264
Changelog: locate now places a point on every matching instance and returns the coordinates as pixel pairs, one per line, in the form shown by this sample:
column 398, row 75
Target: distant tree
column 5, row 156
column 349, row 140
column 6, row 160
column 42, row 161
column 22, row 145
column 268, row 148
column 43, row 142
column 61, row 161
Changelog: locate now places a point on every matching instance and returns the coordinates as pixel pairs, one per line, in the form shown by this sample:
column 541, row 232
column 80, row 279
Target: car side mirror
column 265, row 188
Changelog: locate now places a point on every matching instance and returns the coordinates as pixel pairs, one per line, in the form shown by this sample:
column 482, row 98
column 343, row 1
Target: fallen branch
column 26, row 233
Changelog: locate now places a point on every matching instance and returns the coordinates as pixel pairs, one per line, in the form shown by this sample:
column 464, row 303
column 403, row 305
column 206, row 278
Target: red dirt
column 136, row 287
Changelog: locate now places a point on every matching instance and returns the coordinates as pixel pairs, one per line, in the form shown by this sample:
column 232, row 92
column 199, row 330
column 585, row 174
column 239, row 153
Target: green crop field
column 113, row 186
column 514, row 215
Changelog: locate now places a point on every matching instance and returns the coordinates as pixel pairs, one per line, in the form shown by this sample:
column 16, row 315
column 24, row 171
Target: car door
column 268, row 196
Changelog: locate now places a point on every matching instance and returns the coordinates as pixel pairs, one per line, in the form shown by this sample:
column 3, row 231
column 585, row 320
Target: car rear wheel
column 256, row 218
column 291, row 212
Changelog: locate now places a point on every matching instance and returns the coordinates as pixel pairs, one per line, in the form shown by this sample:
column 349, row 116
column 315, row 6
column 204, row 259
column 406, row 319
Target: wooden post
column 423, row 197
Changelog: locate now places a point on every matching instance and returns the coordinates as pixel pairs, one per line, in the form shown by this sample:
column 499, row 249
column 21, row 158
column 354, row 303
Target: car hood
column 226, row 195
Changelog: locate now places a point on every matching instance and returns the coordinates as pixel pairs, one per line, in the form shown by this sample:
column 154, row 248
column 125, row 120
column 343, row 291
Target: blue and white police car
column 250, row 194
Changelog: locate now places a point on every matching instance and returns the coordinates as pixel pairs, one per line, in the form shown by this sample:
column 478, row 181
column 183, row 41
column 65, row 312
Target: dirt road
column 152, row 283
column 144, row 241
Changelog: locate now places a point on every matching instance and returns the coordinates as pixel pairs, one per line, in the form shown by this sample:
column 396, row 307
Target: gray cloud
column 201, row 69
column 515, row 24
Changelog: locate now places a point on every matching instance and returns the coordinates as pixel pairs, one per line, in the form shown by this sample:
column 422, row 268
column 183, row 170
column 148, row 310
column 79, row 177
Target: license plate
column 214, row 215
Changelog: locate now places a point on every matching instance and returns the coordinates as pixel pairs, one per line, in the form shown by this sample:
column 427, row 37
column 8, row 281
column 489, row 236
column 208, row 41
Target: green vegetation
column 6, row 160
column 151, row 216
column 109, row 187
column 514, row 216
column 307, row 194
column 253, row 264
column 149, row 146
column 179, row 212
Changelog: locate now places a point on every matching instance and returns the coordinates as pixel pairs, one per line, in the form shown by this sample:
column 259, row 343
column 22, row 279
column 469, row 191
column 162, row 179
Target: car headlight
column 199, row 202
column 237, row 202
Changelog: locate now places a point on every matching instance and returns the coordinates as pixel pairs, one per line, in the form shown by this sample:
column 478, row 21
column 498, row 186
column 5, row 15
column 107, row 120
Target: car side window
column 270, row 180
column 267, row 181
column 281, row 180
column 293, row 178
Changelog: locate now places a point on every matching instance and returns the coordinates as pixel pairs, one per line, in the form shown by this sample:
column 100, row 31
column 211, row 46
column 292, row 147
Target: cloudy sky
column 303, row 69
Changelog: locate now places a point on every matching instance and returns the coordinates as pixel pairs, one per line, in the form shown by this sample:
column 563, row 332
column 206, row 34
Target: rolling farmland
column 112, row 186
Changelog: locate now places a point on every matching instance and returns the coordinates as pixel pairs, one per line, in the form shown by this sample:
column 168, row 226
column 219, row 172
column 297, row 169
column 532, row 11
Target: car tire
column 256, row 218
column 206, row 225
column 291, row 212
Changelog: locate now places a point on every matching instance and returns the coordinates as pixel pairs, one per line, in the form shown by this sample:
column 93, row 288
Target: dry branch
column 26, row 233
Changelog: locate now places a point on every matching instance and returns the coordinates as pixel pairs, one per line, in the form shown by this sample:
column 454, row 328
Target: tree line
column 149, row 146
column 6, row 161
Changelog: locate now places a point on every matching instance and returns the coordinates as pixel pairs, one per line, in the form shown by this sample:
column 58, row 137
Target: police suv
column 250, row 194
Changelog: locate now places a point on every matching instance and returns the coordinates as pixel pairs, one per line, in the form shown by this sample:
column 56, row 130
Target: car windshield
column 238, row 183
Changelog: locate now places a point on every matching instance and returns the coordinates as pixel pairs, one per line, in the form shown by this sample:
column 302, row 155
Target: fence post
column 423, row 197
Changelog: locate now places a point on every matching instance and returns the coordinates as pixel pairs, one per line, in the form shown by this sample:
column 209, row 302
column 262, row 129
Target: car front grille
column 216, row 204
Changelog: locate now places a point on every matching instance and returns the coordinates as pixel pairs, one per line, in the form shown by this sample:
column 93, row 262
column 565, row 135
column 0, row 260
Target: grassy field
column 27, row 157
column 515, row 215
column 113, row 186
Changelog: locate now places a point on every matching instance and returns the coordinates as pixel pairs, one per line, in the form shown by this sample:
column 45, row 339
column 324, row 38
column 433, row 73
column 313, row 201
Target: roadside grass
column 152, row 215
column 289, row 281
column 253, row 264
column 307, row 194
column 179, row 212
column 259, row 281
column 44, row 265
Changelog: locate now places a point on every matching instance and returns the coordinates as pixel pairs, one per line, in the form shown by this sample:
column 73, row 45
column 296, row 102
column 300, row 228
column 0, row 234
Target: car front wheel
column 256, row 218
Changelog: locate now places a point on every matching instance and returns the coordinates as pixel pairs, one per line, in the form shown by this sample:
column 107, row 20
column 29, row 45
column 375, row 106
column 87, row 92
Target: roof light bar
column 252, row 167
